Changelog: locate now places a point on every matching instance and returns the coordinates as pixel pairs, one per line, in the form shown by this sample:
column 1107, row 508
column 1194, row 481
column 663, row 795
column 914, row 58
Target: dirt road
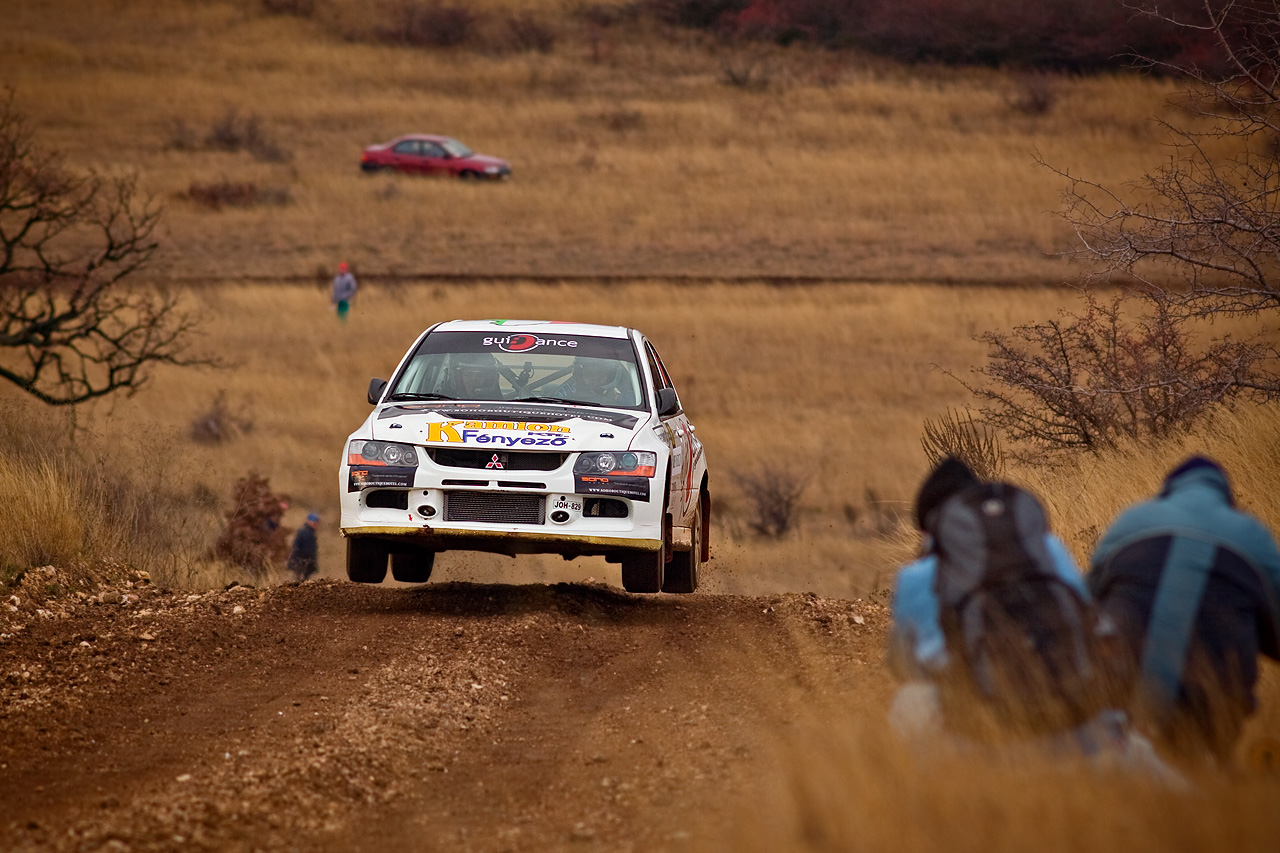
column 333, row 716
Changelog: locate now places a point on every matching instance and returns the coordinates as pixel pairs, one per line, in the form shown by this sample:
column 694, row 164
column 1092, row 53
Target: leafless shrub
column 1036, row 95
column 294, row 8
column 618, row 119
column 1085, row 380
column 530, row 33
column 968, row 439
column 746, row 68
column 774, row 496
column 226, row 193
column 182, row 137
column 426, row 24
column 234, row 133
column 252, row 537
column 220, row 423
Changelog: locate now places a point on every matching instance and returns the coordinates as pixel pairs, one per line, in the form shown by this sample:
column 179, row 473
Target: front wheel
column 412, row 566
column 642, row 570
column 682, row 571
column 366, row 559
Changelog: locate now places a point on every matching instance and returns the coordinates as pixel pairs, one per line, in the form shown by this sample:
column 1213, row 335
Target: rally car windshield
column 505, row 366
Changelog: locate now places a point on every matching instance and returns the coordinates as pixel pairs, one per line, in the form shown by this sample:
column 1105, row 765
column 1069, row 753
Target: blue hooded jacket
column 1186, row 576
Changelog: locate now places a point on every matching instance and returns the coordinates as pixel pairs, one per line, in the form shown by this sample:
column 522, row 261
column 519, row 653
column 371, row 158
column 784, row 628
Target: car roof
column 430, row 137
column 544, row 327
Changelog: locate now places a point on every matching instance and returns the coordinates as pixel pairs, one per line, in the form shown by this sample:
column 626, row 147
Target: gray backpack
column 1024, row 640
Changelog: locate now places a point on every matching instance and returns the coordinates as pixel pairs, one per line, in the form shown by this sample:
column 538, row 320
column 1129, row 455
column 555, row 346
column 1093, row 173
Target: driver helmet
column 475, row 375
column 595, row 374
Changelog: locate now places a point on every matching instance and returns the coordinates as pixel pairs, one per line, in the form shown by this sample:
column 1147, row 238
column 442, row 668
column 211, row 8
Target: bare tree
column 69, row 329
column 1084, row 381
column 1205, row 226
column 1194, row 240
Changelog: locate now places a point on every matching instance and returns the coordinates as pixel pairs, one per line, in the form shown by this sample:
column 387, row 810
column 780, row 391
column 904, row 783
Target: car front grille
column 508, row 460
column 494, row 507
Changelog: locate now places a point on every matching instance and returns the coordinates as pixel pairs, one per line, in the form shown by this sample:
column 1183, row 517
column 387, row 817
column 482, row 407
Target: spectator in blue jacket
column 1193, row 587
column 303, row 559
column 917, row 648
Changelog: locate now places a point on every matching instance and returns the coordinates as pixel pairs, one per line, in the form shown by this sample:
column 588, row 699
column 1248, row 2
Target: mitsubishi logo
column 495, row 462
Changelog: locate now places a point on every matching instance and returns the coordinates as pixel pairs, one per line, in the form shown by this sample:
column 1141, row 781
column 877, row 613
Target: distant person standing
column 302, row 560
column 344, row 291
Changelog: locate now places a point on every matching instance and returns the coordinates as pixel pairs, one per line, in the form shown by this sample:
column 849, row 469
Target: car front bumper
column 511, row 517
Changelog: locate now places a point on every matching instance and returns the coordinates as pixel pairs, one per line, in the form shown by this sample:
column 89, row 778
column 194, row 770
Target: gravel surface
column 336, row 716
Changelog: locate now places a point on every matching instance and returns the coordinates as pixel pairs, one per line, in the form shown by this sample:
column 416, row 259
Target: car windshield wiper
column 555, row 400
column 410, row 395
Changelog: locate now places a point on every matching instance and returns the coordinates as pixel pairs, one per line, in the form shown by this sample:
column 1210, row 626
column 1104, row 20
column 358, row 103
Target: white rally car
column 520, row 437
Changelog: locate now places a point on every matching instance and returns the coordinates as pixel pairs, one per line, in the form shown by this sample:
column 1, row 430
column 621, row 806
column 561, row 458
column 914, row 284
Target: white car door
column 679, row 437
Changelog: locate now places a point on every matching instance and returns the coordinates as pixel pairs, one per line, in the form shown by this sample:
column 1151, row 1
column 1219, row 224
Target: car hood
column 499, row 426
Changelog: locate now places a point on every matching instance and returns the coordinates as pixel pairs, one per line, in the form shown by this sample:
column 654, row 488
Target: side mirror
column 376, row 387
column 668, row 402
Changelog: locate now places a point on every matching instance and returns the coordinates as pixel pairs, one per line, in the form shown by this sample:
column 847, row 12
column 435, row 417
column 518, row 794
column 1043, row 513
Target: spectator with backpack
column 994, row 630
column 1193, row 587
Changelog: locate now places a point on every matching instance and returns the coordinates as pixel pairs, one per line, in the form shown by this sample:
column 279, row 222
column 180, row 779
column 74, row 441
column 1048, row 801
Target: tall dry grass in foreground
column 853, row 785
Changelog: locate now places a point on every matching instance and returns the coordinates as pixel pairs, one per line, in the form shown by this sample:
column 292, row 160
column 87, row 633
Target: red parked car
column 425, row 154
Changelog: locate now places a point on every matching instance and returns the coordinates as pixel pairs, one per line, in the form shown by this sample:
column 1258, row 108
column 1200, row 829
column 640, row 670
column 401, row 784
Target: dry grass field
column 631, row 155
column 633, row 162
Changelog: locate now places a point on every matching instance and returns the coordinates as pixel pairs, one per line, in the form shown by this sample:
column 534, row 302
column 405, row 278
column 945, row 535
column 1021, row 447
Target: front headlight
column 633, row 463
column 492, row 170
column 361, row 452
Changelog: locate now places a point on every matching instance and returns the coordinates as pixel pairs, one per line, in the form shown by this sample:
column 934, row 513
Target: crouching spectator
column 995, row 633
column 303, row 558
column 1193, row 587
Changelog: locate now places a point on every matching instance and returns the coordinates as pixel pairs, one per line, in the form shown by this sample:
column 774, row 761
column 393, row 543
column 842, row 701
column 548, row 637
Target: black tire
column 681, row 575
column 642, row 570
column 468, row 175
column 366, row 559
column 412, row 566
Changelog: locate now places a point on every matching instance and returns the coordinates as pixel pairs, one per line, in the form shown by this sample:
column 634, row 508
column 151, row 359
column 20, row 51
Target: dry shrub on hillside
column 527, row 32
column 1086, row 381
column 233, row 132
column 1036, row 95
column 774, row 494
column 415, row 23
column 253, row 538
column 295, row 8
column 226, row 193
column 960, row 434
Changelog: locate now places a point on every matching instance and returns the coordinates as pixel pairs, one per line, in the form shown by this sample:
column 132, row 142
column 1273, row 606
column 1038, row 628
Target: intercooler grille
column 494, row 507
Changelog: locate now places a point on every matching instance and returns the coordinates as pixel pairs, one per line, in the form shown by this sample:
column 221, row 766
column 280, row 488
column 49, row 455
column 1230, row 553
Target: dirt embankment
column 455, row 716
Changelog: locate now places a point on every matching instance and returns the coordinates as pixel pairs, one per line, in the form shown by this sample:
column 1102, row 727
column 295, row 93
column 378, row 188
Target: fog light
column 426, row 511
column 559, row 516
